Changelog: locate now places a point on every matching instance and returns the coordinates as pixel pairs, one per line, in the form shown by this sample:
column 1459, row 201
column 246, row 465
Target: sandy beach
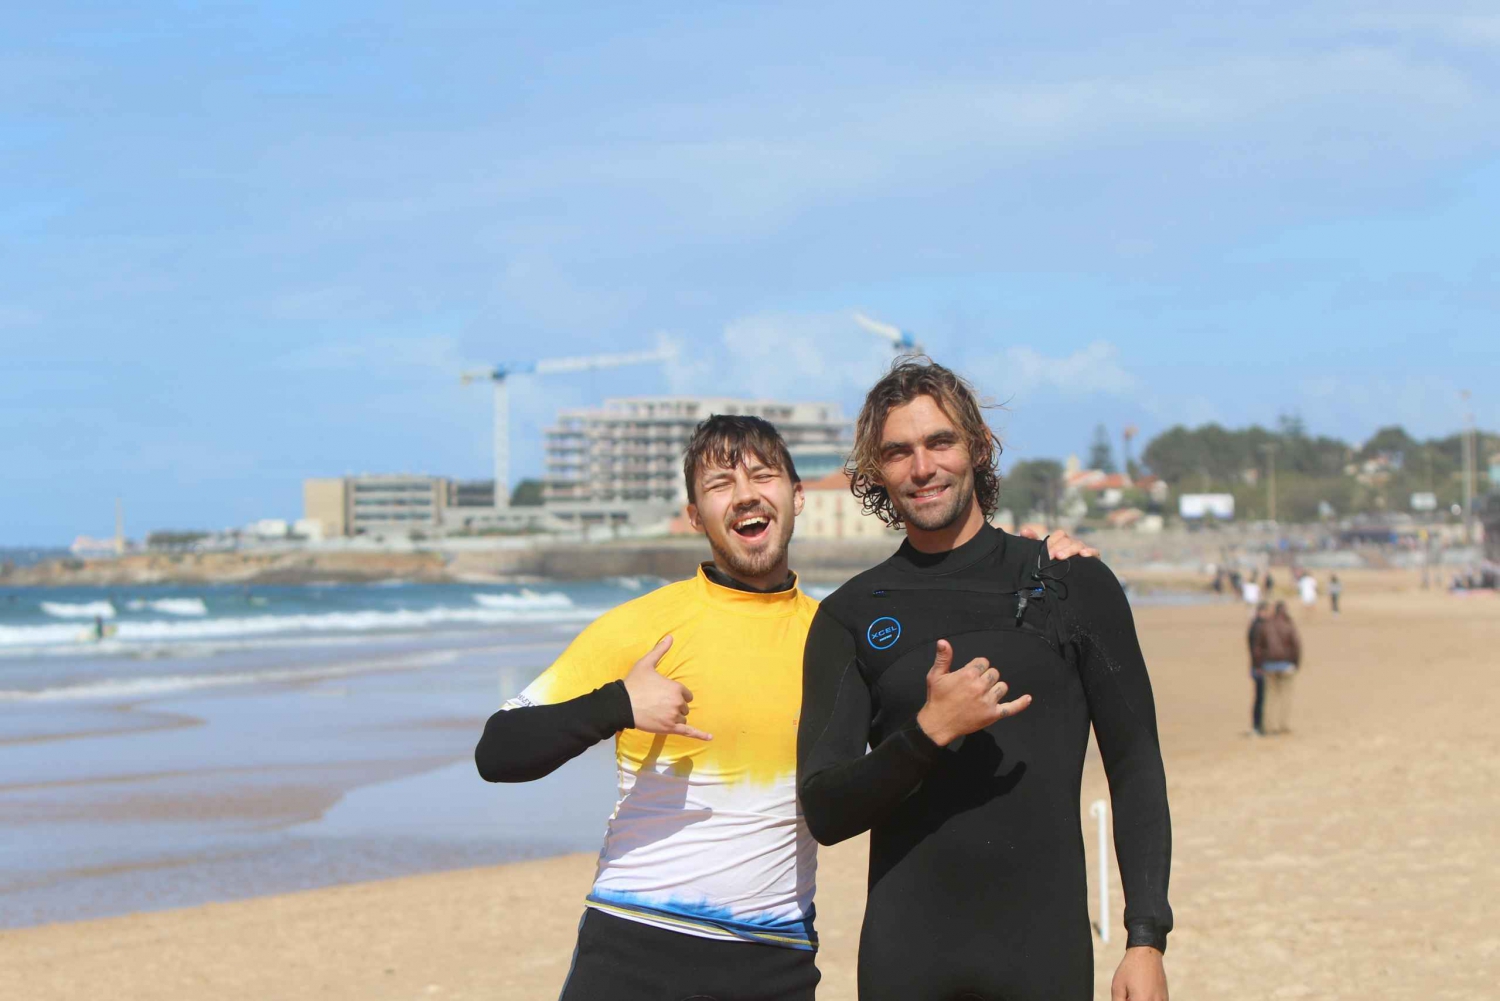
column 1351, row 859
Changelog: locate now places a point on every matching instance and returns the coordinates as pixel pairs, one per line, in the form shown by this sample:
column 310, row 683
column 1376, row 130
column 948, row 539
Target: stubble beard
column 935, row 521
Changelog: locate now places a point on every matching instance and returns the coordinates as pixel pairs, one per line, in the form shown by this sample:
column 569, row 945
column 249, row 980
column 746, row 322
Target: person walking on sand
column 1307, row 590
column 704, row 887
column 1335, row 591
column 1279, row 650
column 967, row 783
column 1257, row 675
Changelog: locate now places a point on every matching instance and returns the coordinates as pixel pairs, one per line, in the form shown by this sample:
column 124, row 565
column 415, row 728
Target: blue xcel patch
column 883, row 633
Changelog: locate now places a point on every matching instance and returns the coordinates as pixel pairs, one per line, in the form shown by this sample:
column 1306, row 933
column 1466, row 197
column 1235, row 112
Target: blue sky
column 245, row 244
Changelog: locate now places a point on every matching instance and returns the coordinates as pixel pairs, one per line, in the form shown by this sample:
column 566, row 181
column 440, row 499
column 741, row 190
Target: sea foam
column 85, row 610
column 495, row 612
column 171, row 606
column 525, row 600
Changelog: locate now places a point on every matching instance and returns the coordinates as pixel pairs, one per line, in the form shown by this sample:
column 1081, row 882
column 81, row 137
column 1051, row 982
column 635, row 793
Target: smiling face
column 747, row 511
column 925, row 467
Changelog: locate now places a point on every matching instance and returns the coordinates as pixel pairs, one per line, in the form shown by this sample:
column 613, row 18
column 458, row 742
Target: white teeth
column 748, row 522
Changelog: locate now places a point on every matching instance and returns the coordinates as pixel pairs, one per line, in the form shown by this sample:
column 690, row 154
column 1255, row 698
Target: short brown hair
column 726, row 439
column 909, row 378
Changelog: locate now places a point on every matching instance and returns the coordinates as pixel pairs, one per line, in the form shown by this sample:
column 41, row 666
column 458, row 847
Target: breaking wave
column 86, row 610
column 171, row 606
column 526, row 599
column 493, row 611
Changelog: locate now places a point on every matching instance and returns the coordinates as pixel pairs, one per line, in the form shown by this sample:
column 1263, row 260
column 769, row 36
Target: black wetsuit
column 977, row 885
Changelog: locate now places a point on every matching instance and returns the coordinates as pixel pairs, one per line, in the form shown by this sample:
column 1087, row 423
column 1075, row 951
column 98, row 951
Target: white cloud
column 802, row 356
column 1090, row 370
column 689, row 369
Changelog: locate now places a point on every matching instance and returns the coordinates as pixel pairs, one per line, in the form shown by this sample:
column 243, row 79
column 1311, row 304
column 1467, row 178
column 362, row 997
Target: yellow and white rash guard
column 706, row 837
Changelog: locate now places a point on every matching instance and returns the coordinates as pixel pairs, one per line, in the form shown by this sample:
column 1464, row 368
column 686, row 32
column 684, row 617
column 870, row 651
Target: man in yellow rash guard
column 705, row 882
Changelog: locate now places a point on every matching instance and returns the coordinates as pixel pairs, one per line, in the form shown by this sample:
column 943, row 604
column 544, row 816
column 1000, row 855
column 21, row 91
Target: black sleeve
column 528, row 742
column 845, row 791
column 1124, row 716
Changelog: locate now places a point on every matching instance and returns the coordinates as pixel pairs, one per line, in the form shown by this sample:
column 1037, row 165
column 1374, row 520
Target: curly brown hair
column 910, row 377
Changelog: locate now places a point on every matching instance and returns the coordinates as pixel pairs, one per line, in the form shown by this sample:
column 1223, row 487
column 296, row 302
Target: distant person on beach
column 1270, row 586
column 1251, row 591
column 704, row 887
column 948, row 695
column 1307, row 590
column 1279, row 650
column 1257, row 675
column 1335, row 591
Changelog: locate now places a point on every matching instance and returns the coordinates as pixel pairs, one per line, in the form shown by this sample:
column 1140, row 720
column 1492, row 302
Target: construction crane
column 498, row 375
column 904, row 341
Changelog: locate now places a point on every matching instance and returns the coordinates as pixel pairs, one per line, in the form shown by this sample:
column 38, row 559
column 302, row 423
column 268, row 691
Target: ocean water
column 150, row 619
column 223, row 742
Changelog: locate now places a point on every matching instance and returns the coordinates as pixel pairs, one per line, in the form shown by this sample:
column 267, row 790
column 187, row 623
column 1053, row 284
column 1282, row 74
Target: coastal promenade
column 1179, row 553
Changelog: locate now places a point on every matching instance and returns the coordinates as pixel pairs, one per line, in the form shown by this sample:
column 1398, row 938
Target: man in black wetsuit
column 977, row 886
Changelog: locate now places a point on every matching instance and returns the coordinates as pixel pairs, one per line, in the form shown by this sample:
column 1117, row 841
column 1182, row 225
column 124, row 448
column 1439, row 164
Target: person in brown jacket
column 1278, row 648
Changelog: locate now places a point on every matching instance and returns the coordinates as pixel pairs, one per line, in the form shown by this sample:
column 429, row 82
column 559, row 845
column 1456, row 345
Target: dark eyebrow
column 937, row 437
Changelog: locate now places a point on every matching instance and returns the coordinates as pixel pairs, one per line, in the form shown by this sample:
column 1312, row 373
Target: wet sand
column 1351, row 859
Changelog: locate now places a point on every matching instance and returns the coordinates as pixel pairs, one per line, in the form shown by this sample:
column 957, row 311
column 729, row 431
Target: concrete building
column 355, row 505
column 268, row 528
column 326, row 501
column 830, row 511
column 359, row 505
column 471, row 493
column 622, row 463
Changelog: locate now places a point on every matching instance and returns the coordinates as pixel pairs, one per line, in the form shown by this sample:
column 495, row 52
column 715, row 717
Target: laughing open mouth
column 751, row 526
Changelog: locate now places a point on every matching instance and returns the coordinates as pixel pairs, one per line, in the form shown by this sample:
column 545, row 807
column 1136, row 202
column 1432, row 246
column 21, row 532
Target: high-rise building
column 622, row 462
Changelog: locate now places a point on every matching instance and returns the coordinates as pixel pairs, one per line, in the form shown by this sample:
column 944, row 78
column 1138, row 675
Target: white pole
column 1100, row 808
column 502, row 443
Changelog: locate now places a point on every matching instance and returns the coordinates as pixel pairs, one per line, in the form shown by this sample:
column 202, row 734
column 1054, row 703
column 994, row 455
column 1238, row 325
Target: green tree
column 528, row 493
column 1034, row 486
column 1102, row 451
column 1392, row 440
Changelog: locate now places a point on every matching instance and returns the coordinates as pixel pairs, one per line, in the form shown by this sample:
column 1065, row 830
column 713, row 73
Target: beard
column 755, row 563
column 935, row 519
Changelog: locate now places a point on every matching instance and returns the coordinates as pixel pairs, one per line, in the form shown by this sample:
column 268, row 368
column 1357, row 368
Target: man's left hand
column 1141, row 976
column 1061, row 545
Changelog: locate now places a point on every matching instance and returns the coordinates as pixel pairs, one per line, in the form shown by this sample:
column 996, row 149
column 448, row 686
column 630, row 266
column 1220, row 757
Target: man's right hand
column 963, row 701
column 660, row 705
